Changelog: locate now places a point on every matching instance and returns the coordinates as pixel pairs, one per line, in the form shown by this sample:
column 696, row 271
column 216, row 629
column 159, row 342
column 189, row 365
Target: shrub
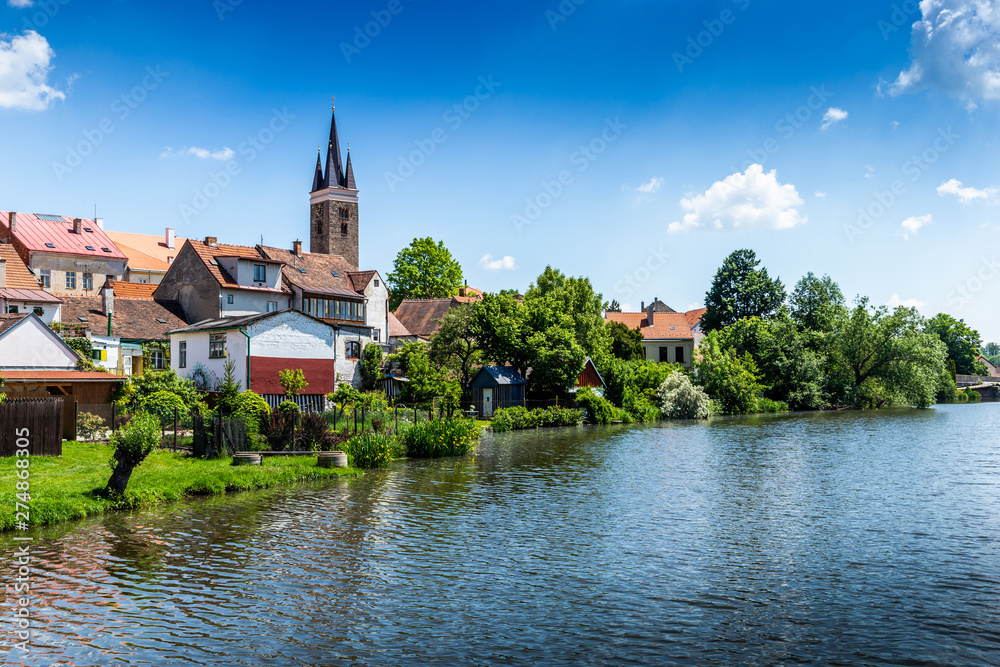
column 733, row 380
column 449, row 437
column 288, row 408
column 131, row 446
column 638, row 407
column 768, row 405
column 599, row 409
column 371, row 364
column 279, row 429
column 370, row 450
column 314, row 434
column 89, row 425
column 252, row 409
column 293, row 381
column 162, row 405
column 517, row 418
column 679, row 399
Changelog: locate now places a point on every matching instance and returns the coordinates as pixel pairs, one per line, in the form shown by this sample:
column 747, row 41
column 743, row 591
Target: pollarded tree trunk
column 119, row 477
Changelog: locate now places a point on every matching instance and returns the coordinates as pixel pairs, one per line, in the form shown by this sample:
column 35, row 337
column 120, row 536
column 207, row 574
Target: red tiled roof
column 318, row 273
column 151, row 245
column 140, row 261
column 18, row 275
column 208, row 254
column 134, row 319
column 666, row 326
column 62, row 376
column 421, row 316
column 694, row 316
column 396, row 328
column 360, row 279
column 35, row 233
column 7, row 321
column 124, row 290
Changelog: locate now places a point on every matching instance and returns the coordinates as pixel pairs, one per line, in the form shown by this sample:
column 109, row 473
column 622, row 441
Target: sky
column 635, row 142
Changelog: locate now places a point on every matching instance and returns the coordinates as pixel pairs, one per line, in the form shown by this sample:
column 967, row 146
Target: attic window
column 90, row 247
column 88, row 229
column 49, row 218
column 106, row 249
column 671, row 328
column 82, row 319
column 301, row 270
column 213, row 262
column 50, row 245
column 161, row 320
column 335, row 274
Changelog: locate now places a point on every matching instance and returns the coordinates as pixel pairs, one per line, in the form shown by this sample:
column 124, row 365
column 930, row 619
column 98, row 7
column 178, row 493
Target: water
column 832, row 539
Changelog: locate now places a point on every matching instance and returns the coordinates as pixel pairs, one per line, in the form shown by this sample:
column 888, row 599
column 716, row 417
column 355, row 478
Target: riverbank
column 68, row 487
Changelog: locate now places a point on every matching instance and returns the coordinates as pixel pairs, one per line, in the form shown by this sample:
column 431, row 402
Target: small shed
column 589, row 377
column 495, row 387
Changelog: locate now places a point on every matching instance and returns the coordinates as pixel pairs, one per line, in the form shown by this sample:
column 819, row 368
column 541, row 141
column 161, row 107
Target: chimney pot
column 108, row 299
column 77, row 226
column 211, row 241
column 99, row 222
column 12, row 220
column 297, row 248
column 642, row 305
column 170, row 238
column 463, row 291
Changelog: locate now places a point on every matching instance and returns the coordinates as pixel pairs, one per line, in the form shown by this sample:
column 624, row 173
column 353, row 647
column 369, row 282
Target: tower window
column 345, row 213
column 343, row 229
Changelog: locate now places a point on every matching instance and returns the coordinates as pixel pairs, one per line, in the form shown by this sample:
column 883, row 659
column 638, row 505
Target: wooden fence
column 39, row 421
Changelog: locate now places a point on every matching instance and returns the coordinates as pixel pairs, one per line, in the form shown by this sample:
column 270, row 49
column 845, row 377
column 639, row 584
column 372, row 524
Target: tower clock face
column 318, row 210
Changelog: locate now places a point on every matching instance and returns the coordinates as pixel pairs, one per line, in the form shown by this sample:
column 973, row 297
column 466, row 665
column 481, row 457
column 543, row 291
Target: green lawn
column 66, row 488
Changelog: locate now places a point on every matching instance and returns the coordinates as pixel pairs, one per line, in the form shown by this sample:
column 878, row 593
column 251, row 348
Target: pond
column 835, row 538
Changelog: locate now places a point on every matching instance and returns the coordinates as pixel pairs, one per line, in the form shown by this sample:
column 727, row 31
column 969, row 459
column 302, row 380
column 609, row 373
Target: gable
column 30, row 345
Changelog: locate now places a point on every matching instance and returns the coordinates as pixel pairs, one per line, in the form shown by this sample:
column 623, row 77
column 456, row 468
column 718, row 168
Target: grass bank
column 68, row 487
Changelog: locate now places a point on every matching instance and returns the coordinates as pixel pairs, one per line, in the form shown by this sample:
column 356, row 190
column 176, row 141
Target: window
column 182, row 354
column 353, row 349
column 679, row 355
column 272, row 306
column 376, row 282
column 217, row 346
column 38, row 310
column 46, row 278
column 343, row 229
column 143, row 281
column 96, row 354
column 50, row 245
column 89, row 229
column 375, row 335
column 170, row 260
column 90, row 247
column 259, row 273
column 345, row 213
column 157, row 359
column 664, row 355
column 88, row 281
column 229, row 298
column 71, row 280
column 11, row 309
column 106, row 249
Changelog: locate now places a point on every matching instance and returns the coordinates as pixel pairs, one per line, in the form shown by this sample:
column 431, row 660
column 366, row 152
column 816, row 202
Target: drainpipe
column 248, row 356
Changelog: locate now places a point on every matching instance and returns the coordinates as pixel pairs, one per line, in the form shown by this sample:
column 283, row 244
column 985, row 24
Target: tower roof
column 318, row 175
column 349, row 177
column 334, row 167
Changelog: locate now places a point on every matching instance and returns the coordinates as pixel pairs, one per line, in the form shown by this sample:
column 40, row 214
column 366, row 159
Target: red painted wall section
column 264, row 372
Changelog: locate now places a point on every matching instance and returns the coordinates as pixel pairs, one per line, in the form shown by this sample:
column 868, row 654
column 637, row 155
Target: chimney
column 642, row 305
column 463, row 291
column 297, row 248
column 650, row 312
column 99, row 222
column 3, row 273
column 170, row 238
column 12, row 221
column 108, row 300
column 77, row 226
column 211, row 241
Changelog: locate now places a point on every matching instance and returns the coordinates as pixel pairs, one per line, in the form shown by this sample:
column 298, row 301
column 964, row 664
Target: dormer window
column 259, row 273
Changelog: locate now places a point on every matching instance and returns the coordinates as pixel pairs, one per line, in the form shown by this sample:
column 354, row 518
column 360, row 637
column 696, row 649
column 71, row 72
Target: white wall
column 197, row 353
column 293, row 335
column 347, row 369
column 377, row 308
column 51, row 312
column 31, row 345
column 652, row 349
column 113, row 347
column 247, row 302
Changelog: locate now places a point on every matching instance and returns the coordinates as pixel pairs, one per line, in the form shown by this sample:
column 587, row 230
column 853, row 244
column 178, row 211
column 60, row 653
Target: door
column 128, row 364
column 488, row 403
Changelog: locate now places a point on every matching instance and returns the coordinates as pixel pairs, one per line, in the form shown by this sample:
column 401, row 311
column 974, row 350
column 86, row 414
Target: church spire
column 318, row 176
column 334, row 167
column 349, row 176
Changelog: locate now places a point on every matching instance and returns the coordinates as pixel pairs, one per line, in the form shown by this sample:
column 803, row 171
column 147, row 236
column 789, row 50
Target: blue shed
column 495, row 387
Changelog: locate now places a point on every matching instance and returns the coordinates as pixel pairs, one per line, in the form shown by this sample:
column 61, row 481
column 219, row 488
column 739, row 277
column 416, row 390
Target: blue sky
column 635, row 142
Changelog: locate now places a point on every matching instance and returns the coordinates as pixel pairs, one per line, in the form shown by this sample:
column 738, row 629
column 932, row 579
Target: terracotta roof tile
column 208, row 254
column 420, row 316
column 18, row 275
column 7, row 320
column 140, row 261
column 318, row 273
column 666, row 326
column 150, row 245
column 36, row 233
column 396, row 328
column 134, row 319
column 65, row 376
column 124, row 290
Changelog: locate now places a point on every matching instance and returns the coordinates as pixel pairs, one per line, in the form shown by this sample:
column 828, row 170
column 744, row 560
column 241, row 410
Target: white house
column 263, row 345
column 667, row 336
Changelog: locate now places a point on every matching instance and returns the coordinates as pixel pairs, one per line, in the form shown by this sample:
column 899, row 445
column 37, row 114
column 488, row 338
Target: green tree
column 626, row 343
column 962, row 342
column 454, row 345
column 880, row 358
column 371, row 365
column 733, row 380
column 131, row 393
column 500, row 325
column 739, row 290
column 423, row 270
column 293, row 381
column 425, row 381
column 229, row 390
column 131, row 444
column 555, row 299
column 614, row 306
column 991, row 349
column 817, row 304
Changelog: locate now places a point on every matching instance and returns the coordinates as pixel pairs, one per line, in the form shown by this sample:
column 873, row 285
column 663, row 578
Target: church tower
column 333, row 204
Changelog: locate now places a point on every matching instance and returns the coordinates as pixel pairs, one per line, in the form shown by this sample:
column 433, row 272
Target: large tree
column 625, row 343
column 741, row 289
column 962, row 341
column 816, row 304
column 423, row 270
column 454, row 345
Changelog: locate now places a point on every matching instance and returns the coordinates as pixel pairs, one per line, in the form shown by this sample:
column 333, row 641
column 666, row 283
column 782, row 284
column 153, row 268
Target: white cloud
column 913, row 224
column 25, row 63
column 833, row 116
column 505, row 263
column 894, row 125
column 955, row 47
column 966, row 195
column 652, row 186
column 748, row 200
column 20, row 4
column 895, row 302
column 820, row 195
column 869, row 171
column 202, row 153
